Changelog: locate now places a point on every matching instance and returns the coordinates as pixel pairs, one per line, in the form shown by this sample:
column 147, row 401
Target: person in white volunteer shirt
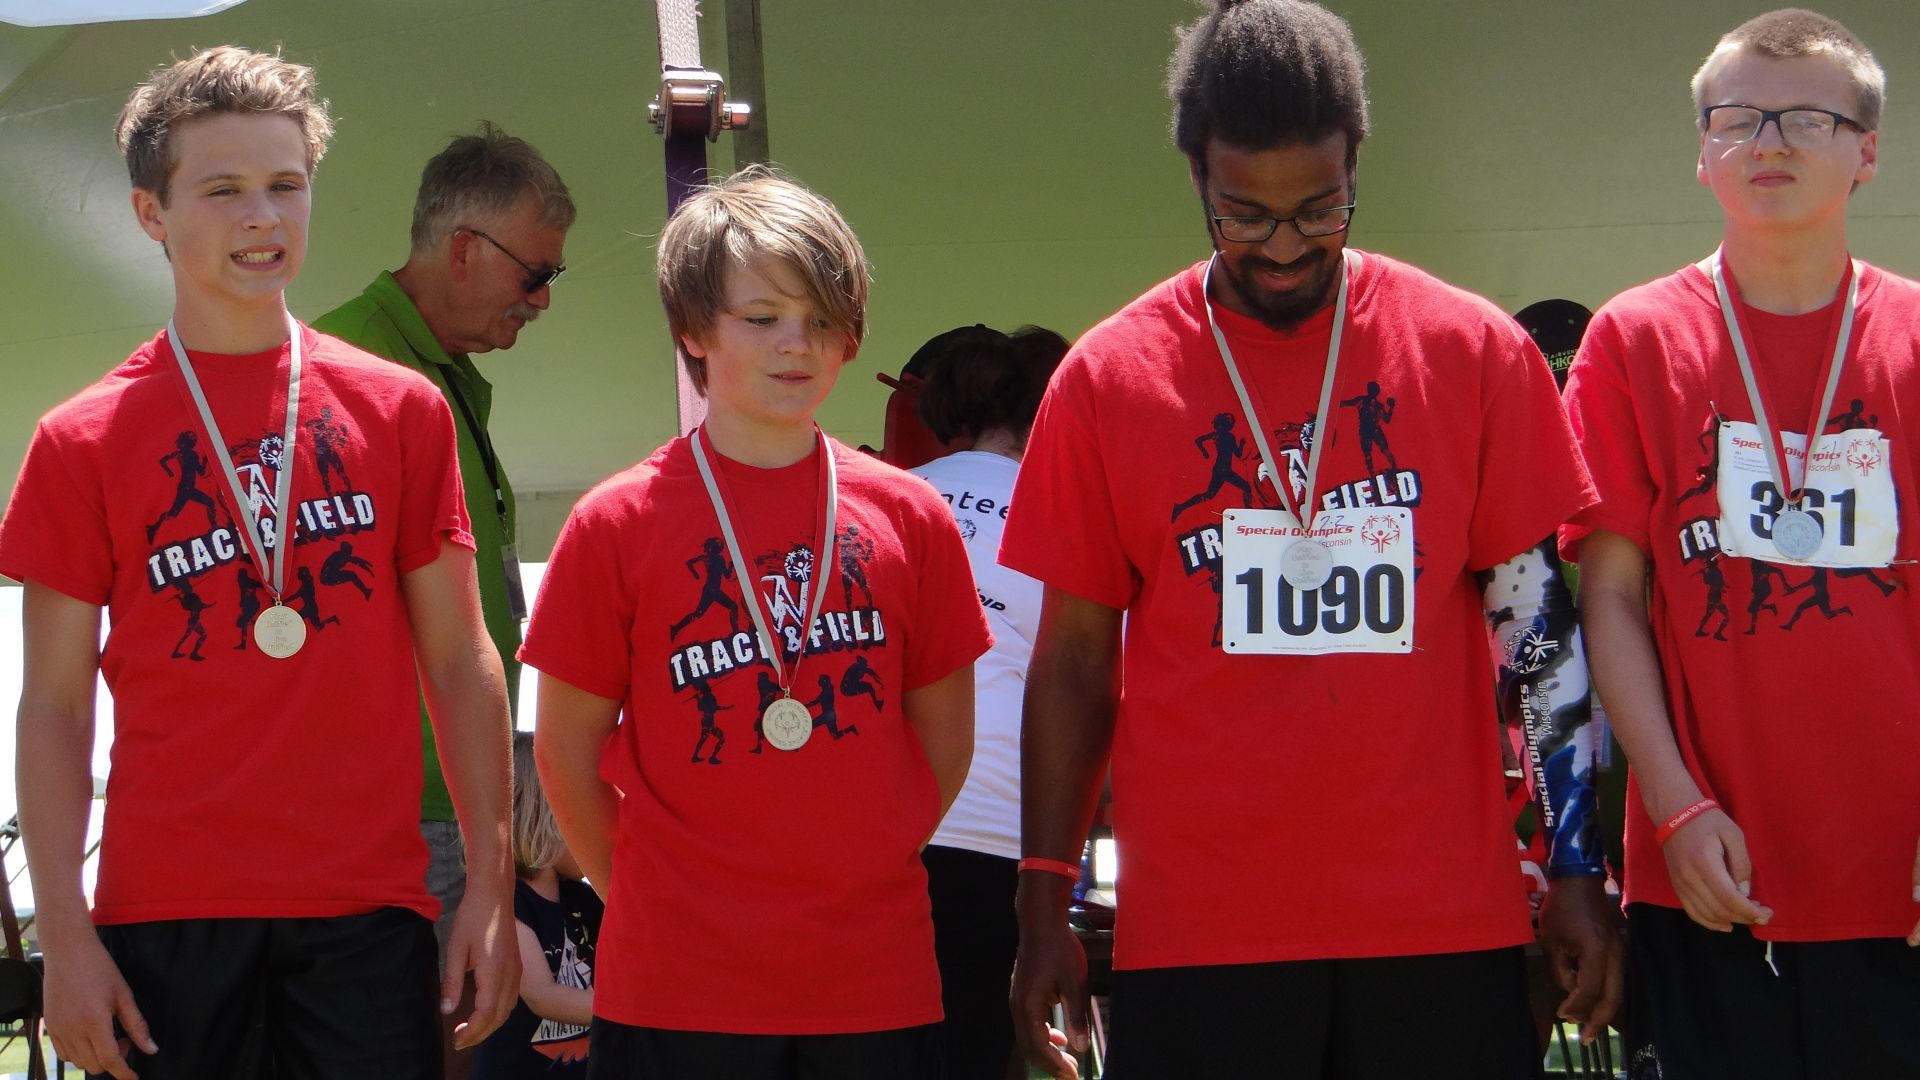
column 981, row 392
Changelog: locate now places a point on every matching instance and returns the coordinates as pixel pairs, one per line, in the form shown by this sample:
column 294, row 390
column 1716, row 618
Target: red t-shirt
column 1807, row 735
column 757, row 890
column 1279, row 807
column 242, row 785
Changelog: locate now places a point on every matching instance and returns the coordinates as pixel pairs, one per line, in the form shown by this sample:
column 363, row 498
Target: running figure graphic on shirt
column 1226, row 449
column 710, row 708
column 307, row 600
column 250, row 604
column 328, row 435
column 1764, row 574
column 713, row 561
column 1817, row 597
column 828, row 717
column 855, row 552
column 194, row 605
column 1854, row 418
column 1716, row 580
column 1374, row 418
column 854, row 682
column 193, row 466
column 769, row 693
column 1886, row 587
column 337, row 569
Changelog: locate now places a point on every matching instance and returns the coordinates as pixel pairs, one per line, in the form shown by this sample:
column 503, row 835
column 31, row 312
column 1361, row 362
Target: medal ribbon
column 742, row 569
column 1282, row 482
column 1777, row 462
column 283, row 479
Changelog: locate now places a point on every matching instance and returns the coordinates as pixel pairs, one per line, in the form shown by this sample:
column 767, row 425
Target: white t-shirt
column 986, row 816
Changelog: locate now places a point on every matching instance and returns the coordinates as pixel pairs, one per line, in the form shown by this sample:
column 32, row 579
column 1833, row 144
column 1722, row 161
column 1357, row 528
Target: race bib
column 1849, row 481
column 1365, row 605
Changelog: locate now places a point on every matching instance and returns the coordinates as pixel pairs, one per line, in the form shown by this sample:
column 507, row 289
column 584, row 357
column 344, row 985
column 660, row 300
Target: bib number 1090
column 1376, row 597
column 1365, row 605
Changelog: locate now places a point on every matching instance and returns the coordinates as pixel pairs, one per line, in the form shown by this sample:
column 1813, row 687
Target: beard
column 1284, row 310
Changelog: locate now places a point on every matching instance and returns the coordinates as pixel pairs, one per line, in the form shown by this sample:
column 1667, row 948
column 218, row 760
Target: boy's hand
column 484, row 943
column 84, row 995
column 1707, row 862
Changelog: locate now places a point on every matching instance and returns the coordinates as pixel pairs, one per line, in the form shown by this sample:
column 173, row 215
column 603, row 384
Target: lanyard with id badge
column 1295, row 581
column 509, row 546
column 1842, row 512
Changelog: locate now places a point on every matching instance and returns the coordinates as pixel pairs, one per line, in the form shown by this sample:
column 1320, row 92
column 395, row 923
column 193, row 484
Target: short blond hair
column 1795, row 32
column 537, row 843
column 226, row 79
column 758, row 213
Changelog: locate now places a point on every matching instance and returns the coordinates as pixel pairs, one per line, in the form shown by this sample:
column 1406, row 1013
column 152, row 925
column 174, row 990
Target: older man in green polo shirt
column 488, row 228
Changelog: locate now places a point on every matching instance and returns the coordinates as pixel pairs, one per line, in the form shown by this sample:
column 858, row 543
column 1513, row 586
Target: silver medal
column 1306, row 564
column 1797, row 534
column 787, row 724
column 279, row 631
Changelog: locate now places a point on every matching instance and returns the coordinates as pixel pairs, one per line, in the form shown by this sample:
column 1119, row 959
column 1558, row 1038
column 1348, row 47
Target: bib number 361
column 1366, row 604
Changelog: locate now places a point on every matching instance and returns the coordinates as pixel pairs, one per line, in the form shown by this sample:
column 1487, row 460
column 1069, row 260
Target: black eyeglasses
column 536, row 279
column 1255, row 230
column 1735, row 124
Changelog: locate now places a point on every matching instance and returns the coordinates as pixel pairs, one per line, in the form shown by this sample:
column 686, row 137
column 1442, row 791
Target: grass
column 13, row 1059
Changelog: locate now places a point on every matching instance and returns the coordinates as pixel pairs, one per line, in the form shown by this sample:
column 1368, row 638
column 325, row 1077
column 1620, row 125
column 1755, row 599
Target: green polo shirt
column 383, row 321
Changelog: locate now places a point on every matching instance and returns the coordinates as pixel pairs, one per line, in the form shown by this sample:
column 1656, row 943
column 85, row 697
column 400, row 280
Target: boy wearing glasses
column 1749, row 608
column 1307, row 787
column 294, row 504
column 756, row 822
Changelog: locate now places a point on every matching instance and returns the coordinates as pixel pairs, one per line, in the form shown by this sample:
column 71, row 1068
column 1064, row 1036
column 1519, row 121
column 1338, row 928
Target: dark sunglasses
column 536, row 279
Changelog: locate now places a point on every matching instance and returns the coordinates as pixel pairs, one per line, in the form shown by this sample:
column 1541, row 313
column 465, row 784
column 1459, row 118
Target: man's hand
column 482, row 942
column 1579, row 932
column 84, row 995
column 1707, row 861
column 1051, row 968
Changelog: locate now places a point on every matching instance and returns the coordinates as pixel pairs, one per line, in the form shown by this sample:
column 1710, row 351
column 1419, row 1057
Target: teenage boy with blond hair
column 757, row 833
column 260, row 908
column 1770, row 861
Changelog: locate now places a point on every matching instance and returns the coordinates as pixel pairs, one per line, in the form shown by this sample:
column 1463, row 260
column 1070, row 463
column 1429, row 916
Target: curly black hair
column 1257, row 74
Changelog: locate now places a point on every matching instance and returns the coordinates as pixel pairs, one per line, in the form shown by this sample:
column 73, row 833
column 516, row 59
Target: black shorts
column 624, row 1052
column 975, row 935
column 1450, row 1015
column 341, row 998
column 1703, row 1004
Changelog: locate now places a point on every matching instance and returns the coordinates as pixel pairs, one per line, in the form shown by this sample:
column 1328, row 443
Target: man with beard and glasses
column 488, row 227
column 1319, row 862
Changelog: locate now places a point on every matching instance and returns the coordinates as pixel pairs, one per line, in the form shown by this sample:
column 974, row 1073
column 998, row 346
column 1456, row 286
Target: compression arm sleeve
column 1541, row 675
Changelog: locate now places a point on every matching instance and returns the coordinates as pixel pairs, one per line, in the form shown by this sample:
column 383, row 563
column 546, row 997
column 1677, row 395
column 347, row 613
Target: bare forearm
column 584, row 806
column 1626, row 669
column 472, row 729
column 1066, row 735
column 563, row 1004
column 55, row 784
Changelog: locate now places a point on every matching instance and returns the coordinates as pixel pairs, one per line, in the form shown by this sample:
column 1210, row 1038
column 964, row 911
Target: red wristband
column 1665, row 832
column 1051, row 866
